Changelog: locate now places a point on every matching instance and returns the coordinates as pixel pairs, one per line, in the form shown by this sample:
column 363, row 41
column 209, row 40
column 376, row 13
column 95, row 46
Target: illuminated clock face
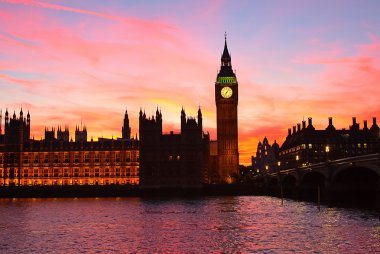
column 226, row 92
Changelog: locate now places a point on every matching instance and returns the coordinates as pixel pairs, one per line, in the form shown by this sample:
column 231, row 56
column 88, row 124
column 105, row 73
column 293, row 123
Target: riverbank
column 120, row 191
column 322, row 196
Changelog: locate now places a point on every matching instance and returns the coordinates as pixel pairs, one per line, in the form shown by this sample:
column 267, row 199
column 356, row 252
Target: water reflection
column 211, row 224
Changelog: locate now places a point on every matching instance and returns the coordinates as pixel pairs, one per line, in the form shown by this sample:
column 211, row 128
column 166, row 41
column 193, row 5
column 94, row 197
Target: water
column 197, row 225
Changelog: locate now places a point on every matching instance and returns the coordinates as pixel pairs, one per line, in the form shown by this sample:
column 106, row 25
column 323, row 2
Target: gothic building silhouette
column 56, row 160
column 173, row 159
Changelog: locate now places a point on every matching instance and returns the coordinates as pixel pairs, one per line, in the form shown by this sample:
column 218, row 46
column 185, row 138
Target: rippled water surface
column 197, row 225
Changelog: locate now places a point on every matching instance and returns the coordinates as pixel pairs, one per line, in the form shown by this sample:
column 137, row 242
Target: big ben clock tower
column 226, row 98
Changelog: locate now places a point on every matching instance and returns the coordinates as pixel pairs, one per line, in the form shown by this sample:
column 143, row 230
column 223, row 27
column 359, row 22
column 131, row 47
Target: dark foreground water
column 198, row 225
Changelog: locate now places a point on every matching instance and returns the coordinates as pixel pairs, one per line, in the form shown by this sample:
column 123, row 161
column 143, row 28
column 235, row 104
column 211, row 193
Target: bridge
column 355, row 178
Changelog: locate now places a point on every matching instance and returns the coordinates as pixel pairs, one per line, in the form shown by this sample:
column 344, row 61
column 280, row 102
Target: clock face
column 226, row 92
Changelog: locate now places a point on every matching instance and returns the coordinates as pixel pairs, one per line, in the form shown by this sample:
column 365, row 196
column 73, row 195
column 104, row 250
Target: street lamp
column 327, row 150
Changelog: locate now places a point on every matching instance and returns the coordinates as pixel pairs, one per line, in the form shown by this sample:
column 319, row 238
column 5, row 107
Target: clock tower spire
column 226, row 98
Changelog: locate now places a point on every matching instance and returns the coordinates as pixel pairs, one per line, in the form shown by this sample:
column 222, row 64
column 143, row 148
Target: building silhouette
column 226, row 98
column 16, row 130
column 304, row 145
column 63, row 135
column 266, row 158
column 55, row 160
column 173, row 159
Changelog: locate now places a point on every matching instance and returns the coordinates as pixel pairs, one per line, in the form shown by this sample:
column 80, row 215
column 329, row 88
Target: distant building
column 57, row 161
column 305, row 145
column 172, row 160
column 266, row 159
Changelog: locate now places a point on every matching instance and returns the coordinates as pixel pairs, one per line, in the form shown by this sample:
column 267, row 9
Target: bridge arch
column 313, row 179
column 289, row 180
column 356, row 184
column 356, row 173
column 273, row 181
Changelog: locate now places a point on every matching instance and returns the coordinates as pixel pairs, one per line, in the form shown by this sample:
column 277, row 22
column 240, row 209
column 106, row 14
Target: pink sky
column 73, row 61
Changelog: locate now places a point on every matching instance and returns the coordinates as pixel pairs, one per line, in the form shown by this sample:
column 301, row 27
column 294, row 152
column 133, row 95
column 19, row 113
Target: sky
column 88, row 61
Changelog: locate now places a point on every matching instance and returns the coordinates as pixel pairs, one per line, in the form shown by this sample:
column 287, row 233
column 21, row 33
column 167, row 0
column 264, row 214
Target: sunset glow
column 70, row 61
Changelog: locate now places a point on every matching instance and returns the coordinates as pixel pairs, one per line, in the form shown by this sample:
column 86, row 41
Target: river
column 192, row 225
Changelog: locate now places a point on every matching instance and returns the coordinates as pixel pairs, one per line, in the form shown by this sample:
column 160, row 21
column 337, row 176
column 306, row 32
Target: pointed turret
column 21, row 114
column 28, row 118
column 200, row 118
column 6, row 117
column 126, row 130
column 226, row 58
column 226, row 66
column 183, row 119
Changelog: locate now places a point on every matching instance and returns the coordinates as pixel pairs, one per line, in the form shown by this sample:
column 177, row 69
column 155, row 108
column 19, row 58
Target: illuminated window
column 178, row 157
column 128, row 157
column 359, row 145
column 26, row 159
column 97, row 157
column 310, row 146
column 365, row 145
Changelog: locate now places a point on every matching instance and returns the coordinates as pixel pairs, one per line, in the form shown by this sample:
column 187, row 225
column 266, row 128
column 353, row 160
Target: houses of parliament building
column 56, row 160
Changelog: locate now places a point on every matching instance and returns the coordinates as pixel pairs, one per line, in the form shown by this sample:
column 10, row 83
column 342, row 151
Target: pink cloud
column 59, row 7
column 29, row 84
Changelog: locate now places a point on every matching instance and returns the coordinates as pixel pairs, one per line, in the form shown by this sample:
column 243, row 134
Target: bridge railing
column 347, row 160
